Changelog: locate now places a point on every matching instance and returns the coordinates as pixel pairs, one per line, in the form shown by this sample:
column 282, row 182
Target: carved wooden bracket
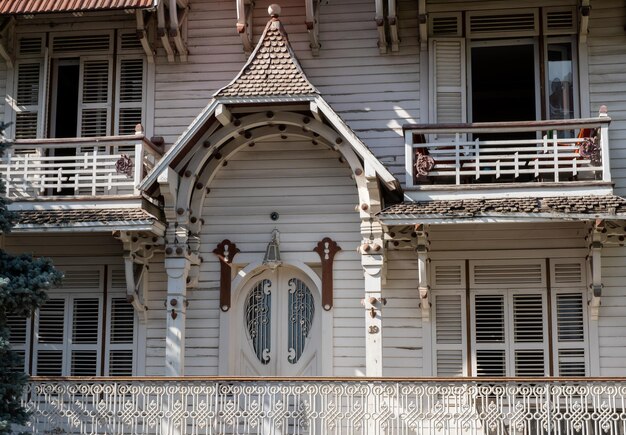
column 225, row 251
column 327, row 249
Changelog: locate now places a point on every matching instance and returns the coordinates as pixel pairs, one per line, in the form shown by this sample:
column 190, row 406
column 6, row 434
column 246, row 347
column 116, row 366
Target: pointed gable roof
column 272, row 70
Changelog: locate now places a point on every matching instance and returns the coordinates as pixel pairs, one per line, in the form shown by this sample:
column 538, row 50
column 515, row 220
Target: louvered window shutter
column 84, row 346
column 50, row 338
column 489, row 335
column 449, row 334
column 19, row 331
column 570, row 333
column 447, row 80
column 130, row 94
column 94, row 111
column 119, row 357
column 28, row 98
column 121, row 338
column 528, row 353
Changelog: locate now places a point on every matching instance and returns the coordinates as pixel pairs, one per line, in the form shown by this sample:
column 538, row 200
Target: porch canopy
column 27, row 7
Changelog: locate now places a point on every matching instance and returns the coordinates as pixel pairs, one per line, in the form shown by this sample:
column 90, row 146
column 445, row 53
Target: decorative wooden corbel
column 312, row 17
column 142, row 35
column 595, row 254
column 244, row 24
column 583, row 30
column 225, row 251
column 327, row 249
column 392, row 19
column 423, row 24
column 6, row 41
column 423, row 285
column 138, row 250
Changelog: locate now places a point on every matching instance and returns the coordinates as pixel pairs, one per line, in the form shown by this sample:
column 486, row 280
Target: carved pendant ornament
column 326, row 249
column 225, row 251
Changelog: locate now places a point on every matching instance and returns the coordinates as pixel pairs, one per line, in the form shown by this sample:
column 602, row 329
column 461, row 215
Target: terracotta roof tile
column 578, row 205
column 43, row 6
column 272, row 69
column 82, row 216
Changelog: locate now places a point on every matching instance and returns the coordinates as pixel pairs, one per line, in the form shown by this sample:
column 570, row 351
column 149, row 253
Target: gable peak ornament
column 274, row 10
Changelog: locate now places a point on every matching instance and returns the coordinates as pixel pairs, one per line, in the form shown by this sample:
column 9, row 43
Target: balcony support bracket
column 597, row 238
column 138, row 250
column 423, row 286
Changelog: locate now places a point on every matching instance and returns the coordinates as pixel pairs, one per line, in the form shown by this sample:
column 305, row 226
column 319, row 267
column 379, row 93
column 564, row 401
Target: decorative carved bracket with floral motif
column 327, row 249
column 225, row 251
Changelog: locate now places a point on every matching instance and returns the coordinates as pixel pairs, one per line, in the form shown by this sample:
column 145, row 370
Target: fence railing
column 326, row 406
column 505, row 152
column 112, row 165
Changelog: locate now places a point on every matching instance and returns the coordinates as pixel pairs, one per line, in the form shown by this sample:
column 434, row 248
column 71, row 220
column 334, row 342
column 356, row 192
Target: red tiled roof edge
column 25, row 7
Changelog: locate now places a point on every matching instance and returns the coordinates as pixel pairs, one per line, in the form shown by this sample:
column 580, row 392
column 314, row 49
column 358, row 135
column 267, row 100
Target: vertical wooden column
column 177, row 268
column 372, row 259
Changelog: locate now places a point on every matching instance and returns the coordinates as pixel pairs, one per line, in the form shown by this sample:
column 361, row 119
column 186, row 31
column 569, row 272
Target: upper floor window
column 78, row 85
column 505, row 65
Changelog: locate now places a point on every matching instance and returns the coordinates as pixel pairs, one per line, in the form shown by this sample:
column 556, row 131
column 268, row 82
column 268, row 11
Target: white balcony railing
column 77, row 166
column 326, row 406
column 506, row 152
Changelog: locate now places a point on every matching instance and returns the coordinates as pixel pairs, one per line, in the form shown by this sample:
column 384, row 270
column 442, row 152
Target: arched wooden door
column 280, row 319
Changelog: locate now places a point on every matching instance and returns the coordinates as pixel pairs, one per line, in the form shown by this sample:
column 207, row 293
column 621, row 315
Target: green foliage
column 24, row 281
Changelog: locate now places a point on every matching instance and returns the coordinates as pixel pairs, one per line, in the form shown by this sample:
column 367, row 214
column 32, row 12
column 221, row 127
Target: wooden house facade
column 366, row 216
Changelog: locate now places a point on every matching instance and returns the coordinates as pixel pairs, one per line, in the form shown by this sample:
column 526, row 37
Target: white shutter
column 50, row 337
column 529, row 352
column 19, row 334
column 28, row 96
column 447, row 80
column 120, row 344
column 94, row 101
column 84, row 346
column 489, row 335
column 130, row 92
column 490, row 24
column 449, row 334
column 570, row 333
column 568, row 273
column 499, row 274
column 448, row 274
column 121, row 337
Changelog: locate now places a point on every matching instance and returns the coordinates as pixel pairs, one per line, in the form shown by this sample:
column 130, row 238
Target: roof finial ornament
column 274, row 10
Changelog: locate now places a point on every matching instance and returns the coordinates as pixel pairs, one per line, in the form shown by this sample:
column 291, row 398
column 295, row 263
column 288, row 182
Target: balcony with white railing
column 570, row 153
column 193, row 405
column 77, row 167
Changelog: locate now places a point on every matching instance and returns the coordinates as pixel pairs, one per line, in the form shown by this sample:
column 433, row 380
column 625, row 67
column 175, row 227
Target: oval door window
column 258, row 312
column 293, row 310
column 301, row 309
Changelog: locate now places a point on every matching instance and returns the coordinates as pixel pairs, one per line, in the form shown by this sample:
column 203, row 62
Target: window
column 84, row 85
column 512, row 318
column 82, row 330
column 502, row 70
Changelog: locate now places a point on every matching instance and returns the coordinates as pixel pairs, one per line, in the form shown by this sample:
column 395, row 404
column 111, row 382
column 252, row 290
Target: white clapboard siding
column 607, row 79
column 314, row 195
column 612, row 322
column 402, row 323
